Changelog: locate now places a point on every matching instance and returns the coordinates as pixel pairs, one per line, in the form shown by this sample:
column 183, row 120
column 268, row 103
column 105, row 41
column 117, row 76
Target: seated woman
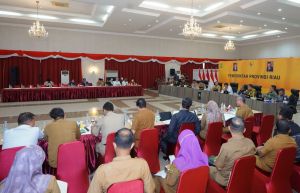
column 243, row 90
column 132, row 83
column 25, row 175
column 48, row 83
column 190, row 156
column 213, row 114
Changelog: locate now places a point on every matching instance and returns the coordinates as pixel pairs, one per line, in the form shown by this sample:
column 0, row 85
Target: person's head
column 250, row 87
column 57, row 113
column 72, row 80
column 237, row 126
column 186, row 103
column 240, row 101
column 216, row 83
column 124, row 142
column 211, row 106
column 272, row 88
column 285, row 113
column 26, row 118
column 132, row 80
column 108, row 107
column 282, row 127
column 141, row 103
column 122, row 78
column 84, row 80
column 281, row 92
column 226, row 85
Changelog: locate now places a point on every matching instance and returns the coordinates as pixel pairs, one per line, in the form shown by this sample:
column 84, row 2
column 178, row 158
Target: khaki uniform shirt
column 122, row 169
column 216, row 88
column 234, row 149
column 266, row 160
column 59, row 132
column 143, row 119
column 244, row 112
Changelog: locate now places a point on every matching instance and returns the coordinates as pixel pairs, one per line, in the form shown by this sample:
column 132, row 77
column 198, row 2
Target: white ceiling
column 245, row 20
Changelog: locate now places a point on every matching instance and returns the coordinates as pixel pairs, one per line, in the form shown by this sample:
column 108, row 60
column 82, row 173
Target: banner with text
column 282, row 72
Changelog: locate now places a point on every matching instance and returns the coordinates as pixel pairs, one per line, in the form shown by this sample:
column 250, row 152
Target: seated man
column 281, row 95
column 143, row 119
column 123, row 168
column 110, row 123
column 243, row 110
column 195, row 85
column 48, row 83
column 125, row 82
column 58, row 132
column 243, row 90
column 100, row 82
column 237, row 146
column 201, row 85
column 227, row 89
column 116, row 82
column 23, row 135
column 72, row 83
column 216, row 87
column 265, row 159
column 272, row 94
column 251, row 92
column 183, row 116
column 84, row 82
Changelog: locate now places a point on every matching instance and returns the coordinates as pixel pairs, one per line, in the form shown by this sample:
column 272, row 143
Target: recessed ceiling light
column 278, row 36
column 259, row 13
column 272, row 32
column 241, row 21
column 130, row 20
column 279, row 9
column 157, row 21
column 218, row 21
column 209, row 35
column 10, row 13
column 286, row 28
column 149, row 25
column 185, row 9
column 82, row 20
column 283, row 18
column 213, row 6
column 229, row 37
column 110, row 9
column 43, row 16
column 265, row 25
column 249, row 36
column 295, row 1
column 155, row 4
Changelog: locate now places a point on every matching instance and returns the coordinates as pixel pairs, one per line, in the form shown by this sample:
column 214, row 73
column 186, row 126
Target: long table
column 64, row 93
column 203, row 96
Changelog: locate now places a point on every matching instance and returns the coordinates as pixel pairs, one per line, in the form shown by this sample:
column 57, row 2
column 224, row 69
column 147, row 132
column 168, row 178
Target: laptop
column 165, row 116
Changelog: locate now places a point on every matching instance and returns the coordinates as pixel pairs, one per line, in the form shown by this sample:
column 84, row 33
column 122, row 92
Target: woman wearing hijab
column 190, row 156
column 25, row 175
column 213, row 114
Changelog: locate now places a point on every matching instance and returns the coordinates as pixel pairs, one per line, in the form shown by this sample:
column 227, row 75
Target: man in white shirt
column 227, row 89
column 116, row 82
column 23, row 135
column 110, row 123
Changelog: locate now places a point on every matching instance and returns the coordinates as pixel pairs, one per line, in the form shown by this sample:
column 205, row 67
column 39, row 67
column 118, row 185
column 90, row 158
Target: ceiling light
column 110, row 9
column 272, row 32
column 213, row 6
column 241, row 21
column 82, row 20
column 209, row 35
column 130, row 20
column 218, row 21
column 43, row 16
column 155, row 4
column 37, row 30
column 249, row 36
column 259, row 13
column 278, row 36
column 283, row 18
column 105, row 17
column 229, row 46
column 279, row 9
column 149, row 25
column 241, row 25
column 10, row 13
column 286, row 28
column 265, row 25
column 188, row 10
column 157, row 21
column 229, row 37
column 191, row 28
column 294, row 1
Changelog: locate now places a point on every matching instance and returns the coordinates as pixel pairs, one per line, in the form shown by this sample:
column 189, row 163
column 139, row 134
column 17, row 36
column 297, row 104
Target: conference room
column 154, row 96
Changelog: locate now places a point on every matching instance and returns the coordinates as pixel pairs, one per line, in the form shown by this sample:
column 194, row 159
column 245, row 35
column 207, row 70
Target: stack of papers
column 63, row 186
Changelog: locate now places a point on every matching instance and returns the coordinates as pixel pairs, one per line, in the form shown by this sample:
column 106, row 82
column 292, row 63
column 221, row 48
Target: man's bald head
column 237, row 125
column 124, row 138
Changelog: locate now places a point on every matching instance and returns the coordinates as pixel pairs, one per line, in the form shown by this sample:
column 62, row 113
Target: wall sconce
column 93, row 70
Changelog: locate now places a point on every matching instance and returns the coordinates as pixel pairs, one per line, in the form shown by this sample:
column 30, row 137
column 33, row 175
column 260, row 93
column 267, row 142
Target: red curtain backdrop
column 52, row 67
column 28, row 70
column 187, row 69
column 144, row 74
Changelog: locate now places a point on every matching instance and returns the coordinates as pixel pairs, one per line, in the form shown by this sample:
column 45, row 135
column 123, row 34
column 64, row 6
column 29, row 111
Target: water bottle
column 5, row 127
column 157, row 117
column 125, row 116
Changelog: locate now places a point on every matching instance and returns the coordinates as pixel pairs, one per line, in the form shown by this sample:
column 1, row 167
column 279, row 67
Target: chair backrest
column 109, row 149
column 7, row 157
column 282, row 171
column 213, row 139
column 193, row 180
column 148, row 148
column 266, row 129
column 72, row 168
column 249, row 123
column 257, row 119
column 134, row 186
column 184, row 126
column 241, row 175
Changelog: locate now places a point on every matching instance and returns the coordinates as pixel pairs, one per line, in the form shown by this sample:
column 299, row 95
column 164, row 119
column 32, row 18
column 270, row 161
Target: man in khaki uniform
column 58, row 132
column 238, row 146
column 267, row 153
column 123, row 168
column 243, row 110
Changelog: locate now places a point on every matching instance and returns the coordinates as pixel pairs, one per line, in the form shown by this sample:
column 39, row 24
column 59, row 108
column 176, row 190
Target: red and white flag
column 216, row 75
column 207, row 74
column 212, row 75
column 199, row 74
column 203, row 74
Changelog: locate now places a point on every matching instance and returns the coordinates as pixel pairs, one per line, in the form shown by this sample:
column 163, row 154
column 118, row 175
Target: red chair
column 109, row 149
column 257, row 119
column 193, row 180
column 148, row 148
column 279, row 181
column 264, row 131
column 295, row 179
column 134, row 186
column 240, row 180
column 249, row 123
column 72, row 168
column 212, row 144
column 184, row 126
column 7, row 157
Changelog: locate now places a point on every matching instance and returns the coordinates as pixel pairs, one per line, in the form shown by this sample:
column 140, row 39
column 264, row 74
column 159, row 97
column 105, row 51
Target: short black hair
column 24, row 117
column 124, row 138
column 282, row 127
column 186, row 103
column 286, row 112
column 226, row 84
column 108, row 106
column 274, row 87
column 141, row 103
column 237, row 124
column 57, row 113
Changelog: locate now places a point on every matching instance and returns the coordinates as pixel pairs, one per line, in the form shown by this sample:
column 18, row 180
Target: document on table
column 63, row 186
column 161, row 173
